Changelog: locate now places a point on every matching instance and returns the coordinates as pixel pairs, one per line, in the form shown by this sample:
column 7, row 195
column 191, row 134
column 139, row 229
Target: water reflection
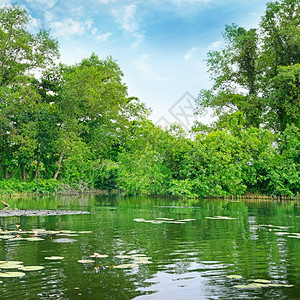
column 191, row 259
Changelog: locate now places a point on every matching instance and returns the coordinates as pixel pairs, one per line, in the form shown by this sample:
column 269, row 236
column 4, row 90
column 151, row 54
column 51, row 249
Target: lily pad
column 97, row 255
column 278, row 285
column 234, row 276
column 64, row 240
column 54, row 257
column 6, row 237
column 32, row 268
column 12, row 274
column 16, row 262
column 142, row 261
column 220, row 218
column 16, row 239
column 139, row 220
column 123, row 256
column 126, row 266
column 10, row 266
column 85, row 261
column 248, row 286
column 34, row 239
column 262, row 281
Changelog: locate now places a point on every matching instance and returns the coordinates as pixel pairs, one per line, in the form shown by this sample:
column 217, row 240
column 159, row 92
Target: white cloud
column 68, row 27
column 103, row 37
column 190, row 53
column 127, row 18
column 5, row 3
column 146, row 70
column 214, row 45
column 105, row 1
column 182, row 2
column 43, row 3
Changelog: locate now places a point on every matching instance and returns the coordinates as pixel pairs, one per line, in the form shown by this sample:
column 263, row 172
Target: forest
column 67, row 128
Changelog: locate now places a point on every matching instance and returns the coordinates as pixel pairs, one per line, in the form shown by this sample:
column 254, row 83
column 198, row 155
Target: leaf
column 34, row 239
column 126, row 266
column 97, row 255
column 234, row 276
column 32, row 268
column 11, row 262
column 85, row 261
column 262, row 281
column 12, row 274
column 248, row 286
column 54, row 257
column 10, row 266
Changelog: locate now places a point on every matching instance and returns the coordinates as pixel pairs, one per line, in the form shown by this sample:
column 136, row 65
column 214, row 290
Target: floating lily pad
column 10, row 266
column 6, row 237
column 16, row 239
column 85, row 261
column 156, row 222
column 123, row 256
column 64, row 240
column 249, row 286
column 16, row 262
column 220, row 218
column 32, row 268
column 126, row 266
column 234, row 276
column 12, row 274
column 34, row 239
column 97, row 255
column 142, row 262
column 54, row 257
column 262, row 281
column 278, row 285
column 175, row 222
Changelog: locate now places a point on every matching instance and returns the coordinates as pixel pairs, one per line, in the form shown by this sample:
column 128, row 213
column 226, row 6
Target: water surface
column 190, row 259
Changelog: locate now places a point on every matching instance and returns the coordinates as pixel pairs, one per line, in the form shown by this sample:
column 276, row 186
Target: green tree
column 234, row 73
column 20, row 50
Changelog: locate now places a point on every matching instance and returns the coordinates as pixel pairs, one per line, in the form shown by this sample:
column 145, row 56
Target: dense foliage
column 76, row 128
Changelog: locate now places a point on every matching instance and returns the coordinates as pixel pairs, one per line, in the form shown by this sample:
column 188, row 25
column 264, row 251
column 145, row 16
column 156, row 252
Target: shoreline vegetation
column 75, row 129
column 28, row 189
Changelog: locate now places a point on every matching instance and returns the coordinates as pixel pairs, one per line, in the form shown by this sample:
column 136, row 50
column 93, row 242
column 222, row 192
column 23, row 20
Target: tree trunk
column 24, row 174
column 37, row 170
column 59, row 165
column 14, row 172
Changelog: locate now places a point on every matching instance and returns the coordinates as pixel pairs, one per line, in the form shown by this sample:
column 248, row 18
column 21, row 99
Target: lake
column 153, row 248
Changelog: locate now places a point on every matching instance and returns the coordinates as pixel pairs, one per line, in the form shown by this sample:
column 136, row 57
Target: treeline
column 74, row 127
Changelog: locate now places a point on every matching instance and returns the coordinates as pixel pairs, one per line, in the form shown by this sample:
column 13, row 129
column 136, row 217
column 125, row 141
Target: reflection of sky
column 159, row 44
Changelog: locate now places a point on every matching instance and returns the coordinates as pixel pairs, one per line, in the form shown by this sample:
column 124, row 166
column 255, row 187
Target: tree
column 20, row 50
column 284, row 99
column 280, row 37
column 248, row 73
column 234, row 73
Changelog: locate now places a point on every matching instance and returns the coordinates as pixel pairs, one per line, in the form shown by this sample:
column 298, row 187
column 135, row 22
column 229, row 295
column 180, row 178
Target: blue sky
column 159, row 44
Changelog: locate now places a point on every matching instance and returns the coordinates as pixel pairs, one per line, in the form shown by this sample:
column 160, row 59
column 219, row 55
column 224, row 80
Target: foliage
column 257, row 72
column 76, row 128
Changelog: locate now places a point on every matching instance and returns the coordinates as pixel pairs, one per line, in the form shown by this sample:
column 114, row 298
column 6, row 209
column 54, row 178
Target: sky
column 160, row 45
